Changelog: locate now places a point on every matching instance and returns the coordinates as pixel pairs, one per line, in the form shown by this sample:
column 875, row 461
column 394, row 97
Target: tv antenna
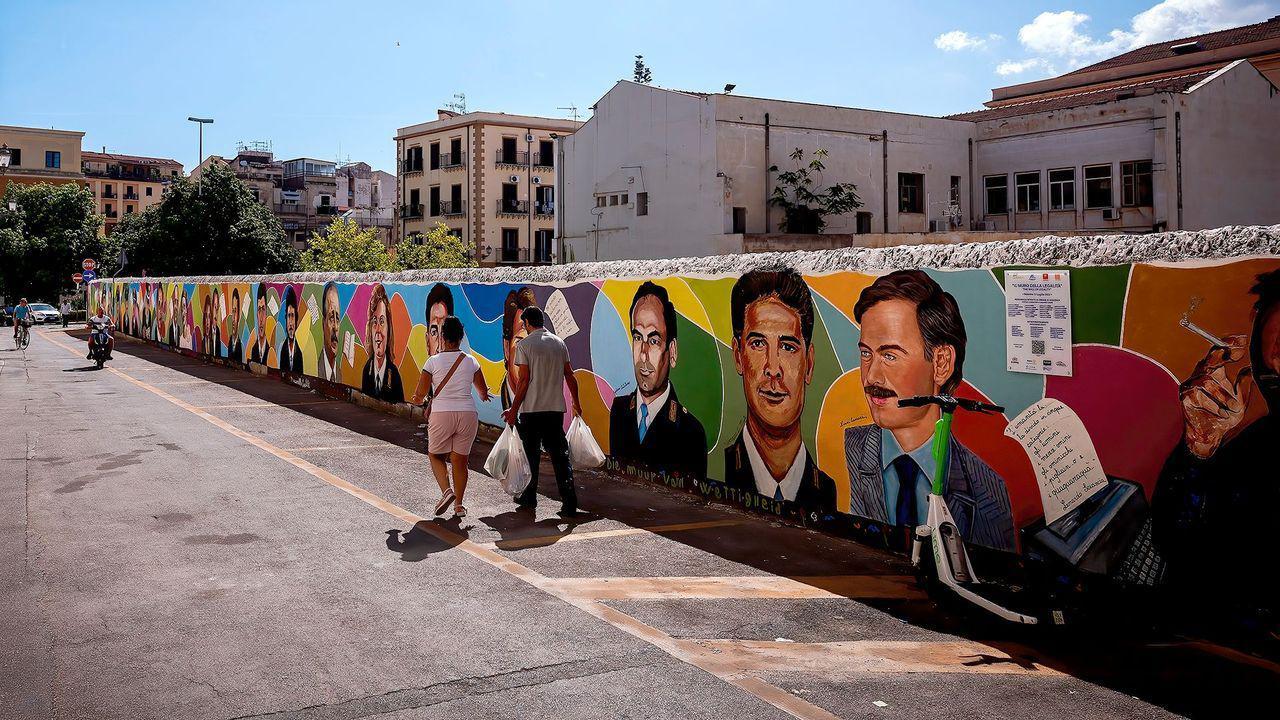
column 573, row 110
column 459, row 104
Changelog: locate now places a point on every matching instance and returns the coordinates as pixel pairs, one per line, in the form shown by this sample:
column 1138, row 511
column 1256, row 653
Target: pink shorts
column 451, row 431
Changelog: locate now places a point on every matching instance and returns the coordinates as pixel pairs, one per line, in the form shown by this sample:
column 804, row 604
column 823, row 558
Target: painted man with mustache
column 290, row 353
column 439, row 307
column 912, row 343
column 330, row 367
column 380, row 378
column 235, row 348
column 650, row 426
column 772, row 313
column 262, row 349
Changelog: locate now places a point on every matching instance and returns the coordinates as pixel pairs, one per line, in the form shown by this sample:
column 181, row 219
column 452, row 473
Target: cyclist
column 21, row 317
column 101, row 322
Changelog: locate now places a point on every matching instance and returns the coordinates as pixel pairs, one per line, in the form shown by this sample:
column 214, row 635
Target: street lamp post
column 199, row 159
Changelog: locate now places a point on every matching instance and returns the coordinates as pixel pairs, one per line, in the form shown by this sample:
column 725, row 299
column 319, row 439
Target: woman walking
column 447, row 377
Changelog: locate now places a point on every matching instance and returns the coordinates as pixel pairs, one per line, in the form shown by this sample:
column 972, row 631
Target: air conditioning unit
column 1110, row 214
column 514, row 178
column 528, row 137
column 537, row 181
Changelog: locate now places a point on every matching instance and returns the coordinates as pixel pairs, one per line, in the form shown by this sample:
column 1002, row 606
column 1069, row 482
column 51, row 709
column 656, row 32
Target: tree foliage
column 642, row 74
column 344, row 247
column 437, row 249
column 806, row 208
column 45, row 238
column 217, row 229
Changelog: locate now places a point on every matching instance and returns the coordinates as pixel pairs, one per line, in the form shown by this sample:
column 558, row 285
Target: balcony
column 411, row 212
column 412, row 166
column 513, row 207
column 544, row 208
column 519, row 157
column 131, row 196
column 290, row 208
column 546, row 160
column 520, row 256
column 109, row 194
column 119, row 174
column 112, row 214
column 452, row 160
column 449, row 207
column 327, row 210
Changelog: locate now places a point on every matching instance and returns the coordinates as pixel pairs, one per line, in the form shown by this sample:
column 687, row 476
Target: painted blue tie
column 644, row 420
column 908, row 475
column 777, row 494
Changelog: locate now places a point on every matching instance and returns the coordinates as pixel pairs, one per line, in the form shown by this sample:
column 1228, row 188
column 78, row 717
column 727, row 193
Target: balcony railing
column 544, row 208
column 513, row 207
column 448, row 207
column 547, row 160
column 514, row 255
column 519, row 157
column 117, row 173
column 411, row 212
column 131, row 196
column 111, row 214
column 327, row 210
column 109, row 194
column 291, row 208
column 452, row 160
column 412, row 166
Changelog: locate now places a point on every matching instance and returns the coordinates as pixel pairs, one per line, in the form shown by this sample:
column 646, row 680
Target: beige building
column 126, row 184
column 490, row 177
column 368, row 197
column 37, row 155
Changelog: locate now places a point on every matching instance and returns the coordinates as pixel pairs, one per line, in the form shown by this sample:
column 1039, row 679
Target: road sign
column 78, row 278
column 88, row 275
column 89, row 264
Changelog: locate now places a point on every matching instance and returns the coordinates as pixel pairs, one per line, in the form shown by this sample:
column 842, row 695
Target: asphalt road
column 185, row 540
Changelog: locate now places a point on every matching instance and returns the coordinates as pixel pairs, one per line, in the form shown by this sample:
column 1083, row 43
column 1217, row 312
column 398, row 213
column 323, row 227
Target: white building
column 1177, row 135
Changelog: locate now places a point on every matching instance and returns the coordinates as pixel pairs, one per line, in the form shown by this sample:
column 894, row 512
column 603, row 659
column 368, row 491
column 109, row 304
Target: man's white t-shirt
column 456, row 394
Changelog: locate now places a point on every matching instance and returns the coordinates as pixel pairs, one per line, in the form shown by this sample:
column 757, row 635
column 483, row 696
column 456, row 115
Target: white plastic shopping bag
column 584, row 451
column 507, row 462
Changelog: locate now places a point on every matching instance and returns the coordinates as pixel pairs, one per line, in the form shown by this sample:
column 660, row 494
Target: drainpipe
column 766, row 173
column 971, row 178
column 528, row 182
column 884, row 180
column 1177, row 152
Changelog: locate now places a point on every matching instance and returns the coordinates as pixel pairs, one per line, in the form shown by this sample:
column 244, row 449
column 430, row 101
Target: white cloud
column 956, row 40
column 1063, row 38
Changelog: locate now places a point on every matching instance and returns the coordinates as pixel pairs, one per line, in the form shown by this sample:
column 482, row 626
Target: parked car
column 42, row 313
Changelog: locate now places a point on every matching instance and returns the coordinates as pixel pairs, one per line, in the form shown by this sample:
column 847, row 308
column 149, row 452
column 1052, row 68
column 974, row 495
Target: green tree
column 218, row 230
column 43, row 240
column 805, row 209
column 344, row 247
column 437, row 249
column 642, row 74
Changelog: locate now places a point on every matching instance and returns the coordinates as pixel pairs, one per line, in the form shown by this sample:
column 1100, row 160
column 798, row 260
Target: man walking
column 65, row 311
column 537, row 410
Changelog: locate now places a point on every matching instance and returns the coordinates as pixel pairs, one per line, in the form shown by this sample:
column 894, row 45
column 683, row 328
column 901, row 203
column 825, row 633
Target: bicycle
column 23, row 338
column 950, row 558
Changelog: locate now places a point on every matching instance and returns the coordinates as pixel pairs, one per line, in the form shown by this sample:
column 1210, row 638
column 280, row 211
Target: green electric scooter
column 950, row 559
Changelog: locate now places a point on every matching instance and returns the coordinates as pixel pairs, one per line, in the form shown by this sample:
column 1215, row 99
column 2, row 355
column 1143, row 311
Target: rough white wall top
column 1234, row 241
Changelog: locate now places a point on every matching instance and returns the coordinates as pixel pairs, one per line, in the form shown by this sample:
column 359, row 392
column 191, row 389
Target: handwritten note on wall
column 1065, row 461
column 561, row 317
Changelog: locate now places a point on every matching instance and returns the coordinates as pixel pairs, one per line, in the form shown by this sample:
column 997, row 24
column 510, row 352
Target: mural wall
column 775, row 389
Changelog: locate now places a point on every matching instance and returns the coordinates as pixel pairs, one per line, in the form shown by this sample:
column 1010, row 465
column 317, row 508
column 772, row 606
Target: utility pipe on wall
column 766, row 172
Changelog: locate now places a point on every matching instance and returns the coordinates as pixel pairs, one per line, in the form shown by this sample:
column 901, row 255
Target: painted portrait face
column 290, row 321
column 262, row 314
column 378, row 324
column 651, row 353
column 895, row 364
column 331, row 322
column 774, row 361
column 207, row 320
column 233, row 319
column 435, row 319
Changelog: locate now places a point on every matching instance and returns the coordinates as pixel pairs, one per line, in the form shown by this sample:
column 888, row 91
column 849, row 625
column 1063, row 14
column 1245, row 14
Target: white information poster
column 1038, row 321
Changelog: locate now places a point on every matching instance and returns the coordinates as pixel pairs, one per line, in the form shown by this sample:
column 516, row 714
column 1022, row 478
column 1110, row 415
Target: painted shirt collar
column 655, row 406
column 765, row 484
column 890, row 450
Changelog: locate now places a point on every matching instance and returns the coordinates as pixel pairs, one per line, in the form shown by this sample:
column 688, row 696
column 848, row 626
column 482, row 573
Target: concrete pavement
column 181, row 539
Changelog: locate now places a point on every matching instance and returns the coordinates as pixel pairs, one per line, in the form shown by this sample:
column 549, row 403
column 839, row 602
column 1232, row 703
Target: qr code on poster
column 1037, row 347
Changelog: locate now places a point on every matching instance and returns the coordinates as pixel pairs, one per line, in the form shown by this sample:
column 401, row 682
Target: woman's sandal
column 459, row 511
column 444, row 501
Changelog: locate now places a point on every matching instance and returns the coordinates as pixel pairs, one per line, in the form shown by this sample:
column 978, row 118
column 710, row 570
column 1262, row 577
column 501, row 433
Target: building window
column 456, row 232
column 435, row 201
column 955, row 190
column 542, row 246
column 642, row 203
column 148, row 191
column 52, row 159
column 1097, row 186
column 546, row 153
column 508, row 154
column 128, row 209
column 910, row 193
column 1062, row 189
column 996, row 188
column 1135, row 184
column 510, row 245
column 435, row 156
column 413, row 159
column 15, row 157
column 1028, row 185
column 613, row 200
column 625, row 199
column 602, row 200
column 739, row 220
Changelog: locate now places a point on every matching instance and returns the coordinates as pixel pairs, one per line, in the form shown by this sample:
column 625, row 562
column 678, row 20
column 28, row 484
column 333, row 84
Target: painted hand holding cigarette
column 1214, row 403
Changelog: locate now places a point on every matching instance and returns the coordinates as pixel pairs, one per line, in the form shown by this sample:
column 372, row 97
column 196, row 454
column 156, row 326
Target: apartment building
column 489, row 177
column 37, row 155
column 126, row 184
column 368, row 197
column 1176, row 135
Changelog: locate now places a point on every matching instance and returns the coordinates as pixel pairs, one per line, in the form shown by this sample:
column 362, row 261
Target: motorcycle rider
column 101, row 322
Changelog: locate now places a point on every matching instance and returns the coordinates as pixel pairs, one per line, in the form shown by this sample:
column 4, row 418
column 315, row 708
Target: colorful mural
column 777, row 390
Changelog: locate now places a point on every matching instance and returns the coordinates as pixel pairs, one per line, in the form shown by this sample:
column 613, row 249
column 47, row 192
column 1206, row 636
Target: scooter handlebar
column 947, row 402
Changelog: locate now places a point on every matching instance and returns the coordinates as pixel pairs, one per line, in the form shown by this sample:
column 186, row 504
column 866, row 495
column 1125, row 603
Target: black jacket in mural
column 391, row 390
column 817, row 492
column 675, row 441
column 235, row 350
column 291, row 357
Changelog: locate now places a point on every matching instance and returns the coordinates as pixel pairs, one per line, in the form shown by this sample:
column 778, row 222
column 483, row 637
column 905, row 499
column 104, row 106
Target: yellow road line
column 236, row 406
column 740, row 587
column 867, row 656
column 542, row 540
column 771, row 694
column 340, row 447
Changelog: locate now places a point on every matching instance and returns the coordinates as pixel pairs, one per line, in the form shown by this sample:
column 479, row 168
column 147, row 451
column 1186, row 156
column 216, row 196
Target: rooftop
column 1177, row 83
column 89, row 156
column 1230, row 37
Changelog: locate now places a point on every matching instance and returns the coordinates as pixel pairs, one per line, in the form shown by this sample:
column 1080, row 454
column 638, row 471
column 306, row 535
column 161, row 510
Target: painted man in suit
column 235, row 348
column 261, row 350
column 513, row 331
column 913, row 343
column 330, row 363
column 772, row 313
column 439, row 307
column 290, row 353
column 650, row 426
column 380, row 378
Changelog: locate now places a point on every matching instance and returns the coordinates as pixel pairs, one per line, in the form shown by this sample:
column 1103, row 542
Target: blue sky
column 316, row 78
